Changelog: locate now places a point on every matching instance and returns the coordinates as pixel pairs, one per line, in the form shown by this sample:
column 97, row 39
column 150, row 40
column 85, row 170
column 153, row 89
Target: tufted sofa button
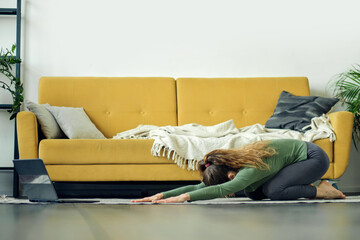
column 211, row 112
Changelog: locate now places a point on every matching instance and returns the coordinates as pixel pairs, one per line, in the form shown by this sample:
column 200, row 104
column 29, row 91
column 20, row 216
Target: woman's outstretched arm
column 150, row 199
column 243, row 179
column 171, row 193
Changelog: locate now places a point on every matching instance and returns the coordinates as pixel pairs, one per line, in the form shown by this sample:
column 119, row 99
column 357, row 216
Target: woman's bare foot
column 326, row 191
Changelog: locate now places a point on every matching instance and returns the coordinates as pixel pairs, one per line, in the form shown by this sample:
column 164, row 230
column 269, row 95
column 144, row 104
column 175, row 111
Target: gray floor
column 171, row 222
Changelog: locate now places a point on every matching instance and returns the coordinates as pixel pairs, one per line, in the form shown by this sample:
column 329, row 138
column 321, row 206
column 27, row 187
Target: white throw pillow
column 47, row 122
column 75, row 123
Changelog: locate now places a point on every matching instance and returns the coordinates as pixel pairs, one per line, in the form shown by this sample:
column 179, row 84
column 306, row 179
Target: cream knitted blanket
column 188, row 144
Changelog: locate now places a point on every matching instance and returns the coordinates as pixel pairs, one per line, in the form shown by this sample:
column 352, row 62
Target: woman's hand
column 150, row 199
column 178, row 199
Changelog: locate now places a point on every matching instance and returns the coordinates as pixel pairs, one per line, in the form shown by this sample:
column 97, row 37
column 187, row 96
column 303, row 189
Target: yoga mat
column 218, row 201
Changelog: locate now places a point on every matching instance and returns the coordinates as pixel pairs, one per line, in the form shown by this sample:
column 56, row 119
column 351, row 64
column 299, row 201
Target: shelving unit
column 17, row 13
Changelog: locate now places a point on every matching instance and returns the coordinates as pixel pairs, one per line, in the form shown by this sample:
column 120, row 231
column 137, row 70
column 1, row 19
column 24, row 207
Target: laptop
column 36, row 182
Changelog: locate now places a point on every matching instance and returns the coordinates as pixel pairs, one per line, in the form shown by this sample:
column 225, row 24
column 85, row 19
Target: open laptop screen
column 35, row 180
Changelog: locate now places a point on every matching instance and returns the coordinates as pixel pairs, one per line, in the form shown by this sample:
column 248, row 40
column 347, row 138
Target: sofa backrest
column 114, row 104
column 247, row 101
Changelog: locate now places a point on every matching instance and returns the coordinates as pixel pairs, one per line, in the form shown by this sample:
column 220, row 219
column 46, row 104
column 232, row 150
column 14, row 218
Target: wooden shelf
column 6, row 106
column 8, row 11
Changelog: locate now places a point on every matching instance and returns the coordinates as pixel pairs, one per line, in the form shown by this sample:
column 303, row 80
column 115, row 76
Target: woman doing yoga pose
column 281, row 169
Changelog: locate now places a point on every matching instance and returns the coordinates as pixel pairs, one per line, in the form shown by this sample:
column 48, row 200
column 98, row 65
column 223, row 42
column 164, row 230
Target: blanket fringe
column 171, row 154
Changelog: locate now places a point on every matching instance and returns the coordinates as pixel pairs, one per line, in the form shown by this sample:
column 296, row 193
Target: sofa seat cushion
column 99, row 151
column 114, row 151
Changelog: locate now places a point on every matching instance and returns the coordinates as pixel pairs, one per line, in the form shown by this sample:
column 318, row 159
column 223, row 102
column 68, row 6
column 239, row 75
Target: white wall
column 183, row 38
column 190, row 38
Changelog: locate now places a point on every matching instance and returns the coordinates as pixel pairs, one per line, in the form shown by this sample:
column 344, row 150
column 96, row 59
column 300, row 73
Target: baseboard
column 349, row 189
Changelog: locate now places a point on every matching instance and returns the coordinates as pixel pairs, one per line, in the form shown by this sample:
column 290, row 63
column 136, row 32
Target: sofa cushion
column 114, row 151
column 47, row 122
column 114, row 104
column 209, row 101
column 99, row 151
column 295, row 112
column 120, row 160
column 75, row 123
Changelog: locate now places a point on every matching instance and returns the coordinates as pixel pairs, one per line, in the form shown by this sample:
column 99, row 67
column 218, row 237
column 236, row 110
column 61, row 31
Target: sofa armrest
column 27, row 132
column 342, row 123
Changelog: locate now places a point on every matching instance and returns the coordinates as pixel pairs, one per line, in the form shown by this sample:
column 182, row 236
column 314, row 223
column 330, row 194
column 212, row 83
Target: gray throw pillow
column 47, row 122
column 75, row 123
column 295, row 112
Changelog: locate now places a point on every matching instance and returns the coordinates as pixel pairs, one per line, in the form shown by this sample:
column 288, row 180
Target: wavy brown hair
column 215, row 166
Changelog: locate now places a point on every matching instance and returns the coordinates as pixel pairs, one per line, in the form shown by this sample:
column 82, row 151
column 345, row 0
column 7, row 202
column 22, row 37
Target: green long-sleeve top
column 288, row 151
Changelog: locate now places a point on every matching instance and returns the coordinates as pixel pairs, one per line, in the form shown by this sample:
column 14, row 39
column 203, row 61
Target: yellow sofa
column 118, row 104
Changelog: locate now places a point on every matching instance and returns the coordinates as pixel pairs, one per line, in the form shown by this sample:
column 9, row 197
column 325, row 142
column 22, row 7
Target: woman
column 282, row 169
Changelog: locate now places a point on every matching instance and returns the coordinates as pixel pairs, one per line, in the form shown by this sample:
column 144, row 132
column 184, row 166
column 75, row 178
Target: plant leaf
column 347, row 88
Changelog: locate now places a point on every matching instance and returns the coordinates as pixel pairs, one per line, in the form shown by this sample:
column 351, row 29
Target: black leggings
column 293, row 181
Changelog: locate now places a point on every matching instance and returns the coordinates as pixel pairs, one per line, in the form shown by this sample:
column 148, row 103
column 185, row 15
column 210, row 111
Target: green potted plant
column 15, row 87
column 347, row 89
